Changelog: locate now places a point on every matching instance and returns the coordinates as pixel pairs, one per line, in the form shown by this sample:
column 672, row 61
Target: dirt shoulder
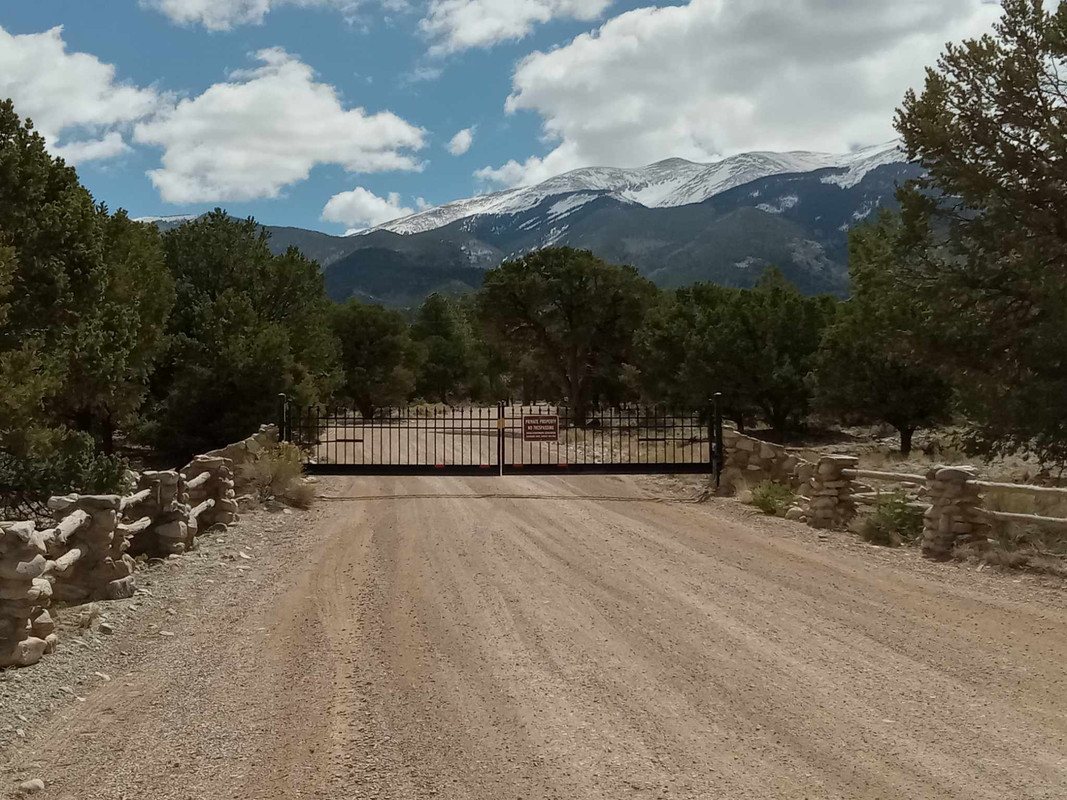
column 551, row 638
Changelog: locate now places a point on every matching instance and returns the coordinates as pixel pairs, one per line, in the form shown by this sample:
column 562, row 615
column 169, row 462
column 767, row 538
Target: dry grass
column 278, row 474
column 1027, row 557
column 1027, row 537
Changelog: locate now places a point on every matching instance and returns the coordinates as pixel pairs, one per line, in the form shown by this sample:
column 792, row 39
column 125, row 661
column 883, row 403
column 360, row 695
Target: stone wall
column 829, row 491
column 749, row 461
column 87, row 554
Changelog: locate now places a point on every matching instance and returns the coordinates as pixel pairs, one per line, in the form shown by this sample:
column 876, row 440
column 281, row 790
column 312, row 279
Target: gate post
column 719, row 455
column 500, row 436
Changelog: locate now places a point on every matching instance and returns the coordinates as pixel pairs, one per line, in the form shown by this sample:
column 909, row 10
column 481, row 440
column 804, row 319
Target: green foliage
column 54, row 282
column 986, row 227
column 378, row 358
column 118, row 342
column 893, row 522
column 37, row 462
column 756, row 346
column 772, row 498
column 868, row 370
column 568, row 316
column 446, row 343
column 247, row 325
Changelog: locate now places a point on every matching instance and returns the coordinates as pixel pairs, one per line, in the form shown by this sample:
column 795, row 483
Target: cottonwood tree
column 868, row 369
column 572, row 313
column 987, row 229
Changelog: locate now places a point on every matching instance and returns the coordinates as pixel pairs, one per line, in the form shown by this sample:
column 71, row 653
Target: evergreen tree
column 868, row 369
column 53, row 278
column 988, row 237
column 378, row 358
column 571, row 312
column 756, row 346
column 247, row 325
column 446, row 342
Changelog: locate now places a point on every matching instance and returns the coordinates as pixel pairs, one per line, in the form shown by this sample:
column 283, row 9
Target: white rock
column 31, row 786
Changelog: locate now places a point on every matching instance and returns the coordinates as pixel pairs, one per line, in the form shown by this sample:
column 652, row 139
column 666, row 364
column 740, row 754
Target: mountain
column 677, row 221
column 665, row 184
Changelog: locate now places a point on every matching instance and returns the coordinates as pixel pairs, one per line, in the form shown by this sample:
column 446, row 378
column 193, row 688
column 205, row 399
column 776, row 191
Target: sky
column 338, row 115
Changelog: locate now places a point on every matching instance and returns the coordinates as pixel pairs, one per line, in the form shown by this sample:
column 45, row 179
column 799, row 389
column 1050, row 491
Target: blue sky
column 175, row 106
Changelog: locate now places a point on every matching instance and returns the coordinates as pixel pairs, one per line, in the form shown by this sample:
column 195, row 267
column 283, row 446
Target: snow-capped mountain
column 676, row 221
column 665, row 184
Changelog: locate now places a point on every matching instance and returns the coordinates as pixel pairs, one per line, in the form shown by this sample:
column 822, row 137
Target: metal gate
column 505, row 439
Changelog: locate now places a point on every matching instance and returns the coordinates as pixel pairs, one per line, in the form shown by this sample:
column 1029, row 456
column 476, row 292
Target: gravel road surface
column 586, row 637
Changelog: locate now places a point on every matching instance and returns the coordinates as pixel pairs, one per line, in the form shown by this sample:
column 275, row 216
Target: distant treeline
column 183, row 340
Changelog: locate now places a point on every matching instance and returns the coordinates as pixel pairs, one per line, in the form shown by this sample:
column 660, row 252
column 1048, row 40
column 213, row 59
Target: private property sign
column 540, row 428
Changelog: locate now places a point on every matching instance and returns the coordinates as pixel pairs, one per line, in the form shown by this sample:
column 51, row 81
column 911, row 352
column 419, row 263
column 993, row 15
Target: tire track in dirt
column 521, row 638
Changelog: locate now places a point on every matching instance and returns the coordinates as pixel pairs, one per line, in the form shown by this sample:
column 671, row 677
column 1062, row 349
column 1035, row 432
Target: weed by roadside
column 278, row 473
column 772, row 498
column 893, row 522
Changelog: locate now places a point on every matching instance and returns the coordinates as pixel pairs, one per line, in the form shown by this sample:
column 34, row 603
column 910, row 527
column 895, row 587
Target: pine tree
column 986, row 228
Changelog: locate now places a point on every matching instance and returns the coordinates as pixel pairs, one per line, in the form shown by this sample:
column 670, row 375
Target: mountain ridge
column 797, row 221
column 667, row 183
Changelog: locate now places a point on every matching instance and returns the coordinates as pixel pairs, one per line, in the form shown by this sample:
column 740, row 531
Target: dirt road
column 573, row 638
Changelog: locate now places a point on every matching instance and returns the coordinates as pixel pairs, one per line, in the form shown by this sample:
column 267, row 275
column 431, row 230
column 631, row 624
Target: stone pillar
column 167, row 505
column 953, row 498
column 25, row 594
column 831, row 504
column 89, row 549
column 216, row 487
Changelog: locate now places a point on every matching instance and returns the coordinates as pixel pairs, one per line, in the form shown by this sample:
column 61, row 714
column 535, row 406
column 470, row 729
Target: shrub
column 894, row 522
column 37, row 462
column 278, row 473
column 772, row 498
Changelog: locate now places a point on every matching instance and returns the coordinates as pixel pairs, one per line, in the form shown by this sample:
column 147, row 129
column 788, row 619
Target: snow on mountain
column 861, row 162
column 674, row 182
column 171, row 218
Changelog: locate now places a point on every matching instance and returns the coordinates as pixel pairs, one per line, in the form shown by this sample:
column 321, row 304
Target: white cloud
column 717, row 77
column 461, row 142
column 421, row 203
column 222, row 15
column 360, row 209
column 77, row 152
column 265, row 128
column 456, row 25
column 70, row 94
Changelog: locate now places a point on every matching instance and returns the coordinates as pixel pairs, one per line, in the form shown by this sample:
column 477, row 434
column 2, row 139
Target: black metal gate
column 505, row 439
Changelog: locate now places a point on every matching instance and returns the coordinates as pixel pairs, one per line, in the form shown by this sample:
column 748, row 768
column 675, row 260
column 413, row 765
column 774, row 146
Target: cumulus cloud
column 70, row 94
column 456, row 25
column 265, row 128
column 717, row 77
column 222, row 15
column 94, row 149
column 461, row 142
column 360, row 209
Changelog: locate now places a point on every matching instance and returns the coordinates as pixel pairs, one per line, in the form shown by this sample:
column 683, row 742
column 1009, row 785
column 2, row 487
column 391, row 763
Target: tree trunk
column 906, row 434
column 107, row 435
